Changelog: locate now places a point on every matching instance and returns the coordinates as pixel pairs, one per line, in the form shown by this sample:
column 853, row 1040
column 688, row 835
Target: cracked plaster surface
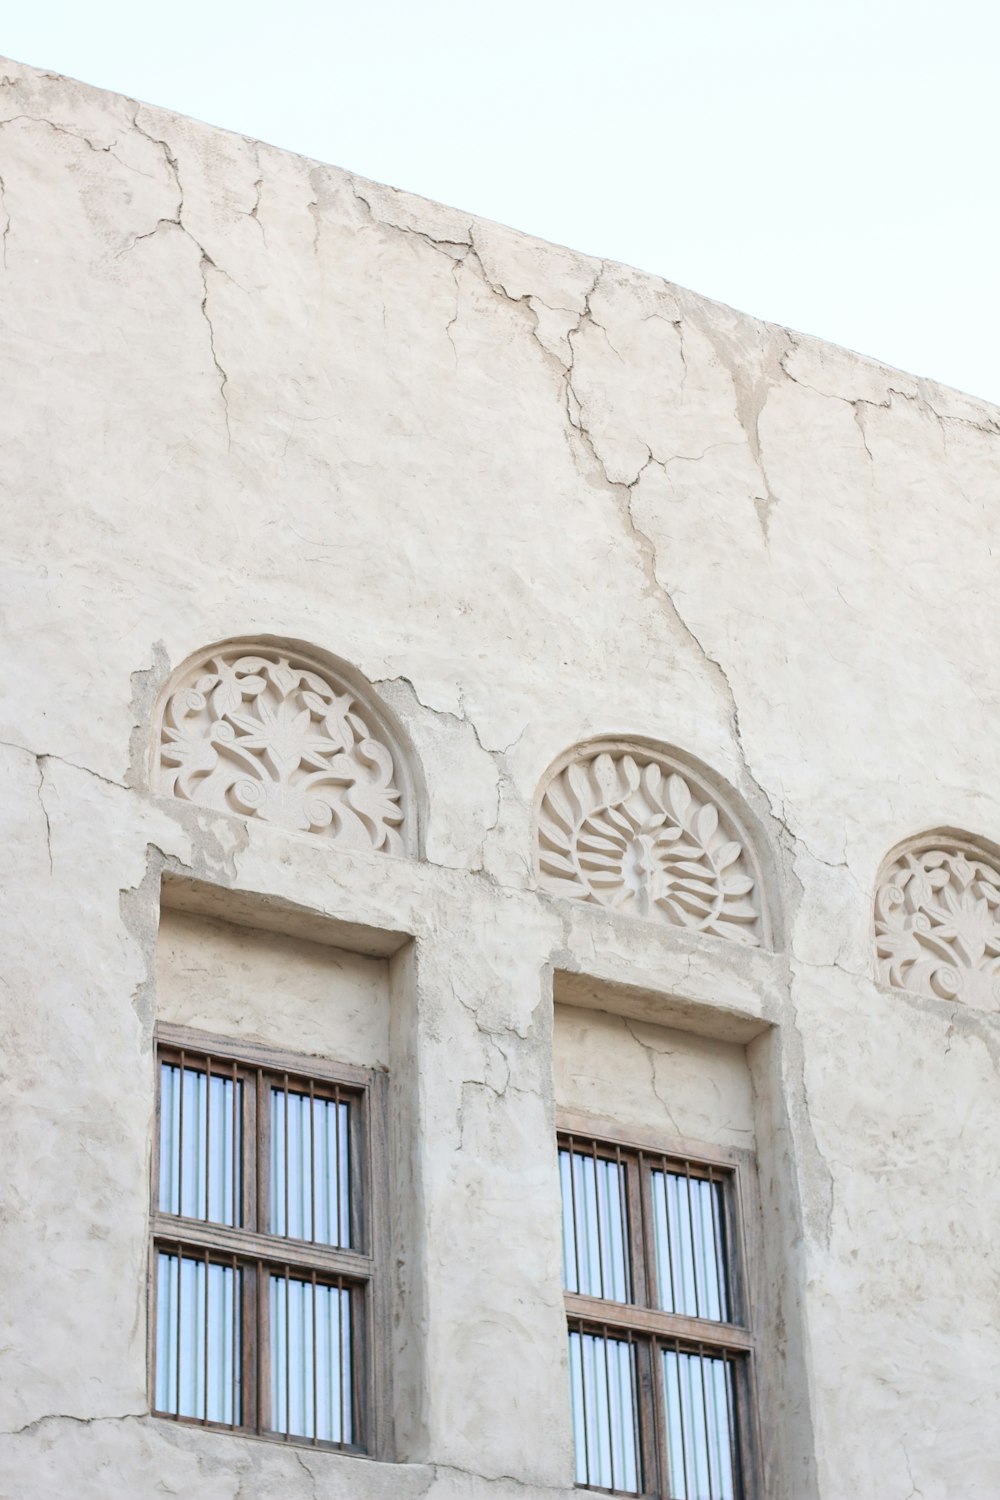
column 534, row 497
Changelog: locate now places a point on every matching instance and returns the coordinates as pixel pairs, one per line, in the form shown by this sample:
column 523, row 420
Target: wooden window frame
column 257, row 1252
column 645, row 1326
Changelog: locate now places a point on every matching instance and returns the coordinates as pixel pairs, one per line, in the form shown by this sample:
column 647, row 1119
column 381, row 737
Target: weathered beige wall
column 533, row 498
column 656, row 1077
column 265, row 987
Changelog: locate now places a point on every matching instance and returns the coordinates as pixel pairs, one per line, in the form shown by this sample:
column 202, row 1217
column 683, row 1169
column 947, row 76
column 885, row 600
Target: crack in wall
column 430, row 1472
column 965, row 1021
column 313, row 210
column 462, row 718
column 6, row 225
column 654, row 588
column 860, row 422
column 300, row 1460
column 42, row 755
column 205, row 264
column 254, row 210
column 909, row 1470
column 490, row 1032
column 40, row 766
column 804, row 1131
column 918, row 398
column 453, row 320
column 532, row 1485
column 498, row 1093
column 751, row 392
column 751, row 397
column 650, row 1052
column 78, row 135
column 444, row 246
column 465, row 250
column 68, row 1416
column 624, row 495
column 458, row 251
column 752, row 405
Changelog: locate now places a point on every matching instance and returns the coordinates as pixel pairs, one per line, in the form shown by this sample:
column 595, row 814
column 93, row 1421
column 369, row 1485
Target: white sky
column 831, row 167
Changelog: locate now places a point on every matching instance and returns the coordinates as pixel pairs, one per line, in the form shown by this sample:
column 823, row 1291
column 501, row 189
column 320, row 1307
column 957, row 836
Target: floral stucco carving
column 631, row 829
column 937, row 922
column 276, row 736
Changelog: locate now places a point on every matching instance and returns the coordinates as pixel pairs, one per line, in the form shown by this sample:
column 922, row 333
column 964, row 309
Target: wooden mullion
column 651, row 1286
column 378, row 1302
column 734, row 1219
column 196, row 1235
column 261, row 1220
column 248, row 1154
column 637, row 1218
column 152, row 1305
column 746, row 1447
column 647, row 1320
column 650, row 1426
column 746, row 1262
column 360, row 1175
column 154, row 1169
column 362, row 1383
column 261, row 1352
column 152, row 1283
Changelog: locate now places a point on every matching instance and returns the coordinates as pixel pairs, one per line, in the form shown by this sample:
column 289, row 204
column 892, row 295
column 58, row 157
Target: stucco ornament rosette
column 268, row 735
column 937, row 923
column 629, row 831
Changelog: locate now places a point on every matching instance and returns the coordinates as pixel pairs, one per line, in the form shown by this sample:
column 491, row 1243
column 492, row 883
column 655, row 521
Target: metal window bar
column 312, row 1365
column 198, row 1344
column 200, row 1141
column 244, row 1342
column 595, row 1223
column 686, row 1424
column 691, row 1261
column 702, row 1440
column 310, row 1165
column 605, row 1409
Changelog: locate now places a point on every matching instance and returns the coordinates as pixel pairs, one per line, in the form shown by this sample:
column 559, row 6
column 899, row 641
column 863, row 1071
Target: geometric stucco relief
column 937, row 929
column 630, row 828
column 274, row 735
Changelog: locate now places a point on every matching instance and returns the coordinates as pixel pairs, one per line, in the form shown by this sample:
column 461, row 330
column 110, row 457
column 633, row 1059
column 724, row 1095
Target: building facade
column 502, row 846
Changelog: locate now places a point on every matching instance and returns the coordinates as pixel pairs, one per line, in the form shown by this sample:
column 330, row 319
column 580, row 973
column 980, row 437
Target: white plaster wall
column 265, row 987
column 655, row 1077
column 534, row 498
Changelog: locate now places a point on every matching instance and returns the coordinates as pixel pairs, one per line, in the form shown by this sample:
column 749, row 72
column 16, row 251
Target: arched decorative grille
column 638, row 830
column 273, row 733
column 937, row 920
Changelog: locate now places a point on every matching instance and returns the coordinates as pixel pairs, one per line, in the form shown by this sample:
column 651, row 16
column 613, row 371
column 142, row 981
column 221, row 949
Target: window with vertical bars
column 263, row 1228
column 659, row 1343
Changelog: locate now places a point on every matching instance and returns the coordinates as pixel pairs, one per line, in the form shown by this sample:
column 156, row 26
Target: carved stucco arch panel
column 645, row 830
column 281, row 731
column 937, row 918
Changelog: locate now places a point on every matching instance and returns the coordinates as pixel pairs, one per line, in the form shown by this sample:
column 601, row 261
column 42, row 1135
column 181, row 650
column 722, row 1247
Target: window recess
column 660, row 1347
column 266, row 1244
